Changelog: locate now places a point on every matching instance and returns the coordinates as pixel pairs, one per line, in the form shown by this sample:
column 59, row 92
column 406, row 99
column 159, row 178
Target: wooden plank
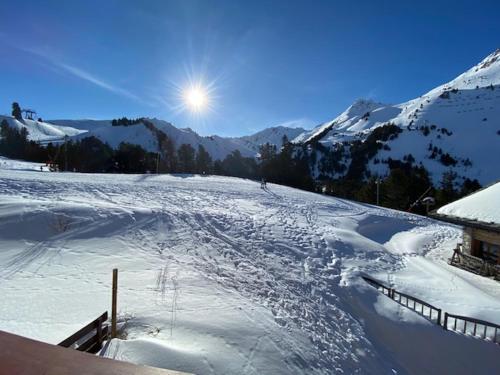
column 93, row 344
column 82, row 332
column 113, row 303
column 486, row 236
column 20, row 355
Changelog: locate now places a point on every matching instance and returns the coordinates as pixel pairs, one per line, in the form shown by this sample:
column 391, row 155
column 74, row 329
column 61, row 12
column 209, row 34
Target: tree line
column 403, row 188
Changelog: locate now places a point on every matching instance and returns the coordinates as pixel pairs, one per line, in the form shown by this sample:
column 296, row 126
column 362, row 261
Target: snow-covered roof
column 482, row 206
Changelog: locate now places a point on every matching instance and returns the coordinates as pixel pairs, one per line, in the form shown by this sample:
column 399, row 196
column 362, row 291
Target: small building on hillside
column 479, row 215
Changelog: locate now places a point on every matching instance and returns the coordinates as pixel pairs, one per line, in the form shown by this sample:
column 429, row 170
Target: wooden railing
column 379, row 286
column 420, row 307
column 423, row 308
column 464, row 324
column 471, row 326
column 89, row 338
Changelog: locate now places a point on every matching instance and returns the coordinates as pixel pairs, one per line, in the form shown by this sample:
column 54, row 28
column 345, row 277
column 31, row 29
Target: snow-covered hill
column 218, row 147
column 219, row 276
column 461, row 118
column 273, row 135
column 43, row 131
column 83, row 124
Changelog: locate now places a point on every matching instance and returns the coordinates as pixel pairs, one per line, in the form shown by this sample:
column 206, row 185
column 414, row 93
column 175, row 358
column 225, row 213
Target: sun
column 196, row 98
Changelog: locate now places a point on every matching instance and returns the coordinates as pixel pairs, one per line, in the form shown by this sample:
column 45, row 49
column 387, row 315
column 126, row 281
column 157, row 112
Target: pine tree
column 16, row 111
column 268, row 168
column 284, row 140
column 168, row 161
column 186, row 158
column 238, row 166
column 203, row 161
column 447, row 193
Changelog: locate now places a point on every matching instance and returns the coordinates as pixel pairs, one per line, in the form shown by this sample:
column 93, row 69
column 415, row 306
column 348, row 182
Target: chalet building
column 479, row 215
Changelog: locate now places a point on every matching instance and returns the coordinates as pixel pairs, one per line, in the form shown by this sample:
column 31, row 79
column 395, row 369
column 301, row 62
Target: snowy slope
column 353, row 120
column 218, row 147
column 220, row 276
column 463, row 118
column 82, row 124
column 114, row 135
column 10, row 164
column 43, row 131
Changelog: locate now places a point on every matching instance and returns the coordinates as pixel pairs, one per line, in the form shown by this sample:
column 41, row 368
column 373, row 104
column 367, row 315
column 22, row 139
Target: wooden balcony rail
column 89, row 338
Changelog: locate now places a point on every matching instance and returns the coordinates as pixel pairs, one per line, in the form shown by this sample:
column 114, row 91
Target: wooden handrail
column 375, row 282
column 393, row 292
column 100, row 335
column 474, row 320
column 417, row 300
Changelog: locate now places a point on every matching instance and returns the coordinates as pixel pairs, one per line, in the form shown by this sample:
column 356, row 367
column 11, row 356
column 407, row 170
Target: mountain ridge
column 459, row 119
column 218, row 147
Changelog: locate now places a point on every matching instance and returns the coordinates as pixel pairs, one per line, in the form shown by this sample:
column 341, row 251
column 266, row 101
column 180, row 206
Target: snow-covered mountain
column 460, row 118
column 273, row 135
column 43, row 132
column 218, row 147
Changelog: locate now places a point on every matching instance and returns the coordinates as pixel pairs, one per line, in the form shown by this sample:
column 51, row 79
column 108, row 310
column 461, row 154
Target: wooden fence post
column 445, row 324
column 99, row 332
column 113, row 303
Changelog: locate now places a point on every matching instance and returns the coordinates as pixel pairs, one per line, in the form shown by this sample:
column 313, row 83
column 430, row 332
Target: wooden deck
column 23, row 356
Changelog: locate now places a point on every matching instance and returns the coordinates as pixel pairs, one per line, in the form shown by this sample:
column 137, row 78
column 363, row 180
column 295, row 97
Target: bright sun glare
column 196, row 99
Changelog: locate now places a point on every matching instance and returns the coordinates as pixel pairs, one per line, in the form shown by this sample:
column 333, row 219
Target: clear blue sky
column 267, row 62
